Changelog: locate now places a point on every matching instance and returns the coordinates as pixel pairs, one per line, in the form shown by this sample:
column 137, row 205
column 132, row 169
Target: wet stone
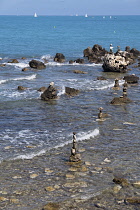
column 50, row 188
column 32, row 176
column 116, row 189
column 70, row 176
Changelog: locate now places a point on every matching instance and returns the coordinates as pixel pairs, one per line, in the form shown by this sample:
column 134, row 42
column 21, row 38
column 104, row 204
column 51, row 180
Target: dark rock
column 120, row 100
column 71, row 62
column 79, row 72
column 13, row 61
column 59, row 57
column 21, row 88
column 131, row 79
column 42, row 89
column 37, row 64
column 135, row 52
column 80, row 61
column 49, row 93
column 127, row 49
column 23, row 58
column 101, row 78
column 121, row 181
column 25, row 69
column 71, row 91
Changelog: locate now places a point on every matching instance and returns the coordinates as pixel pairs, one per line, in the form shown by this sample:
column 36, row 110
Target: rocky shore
column 53, row 182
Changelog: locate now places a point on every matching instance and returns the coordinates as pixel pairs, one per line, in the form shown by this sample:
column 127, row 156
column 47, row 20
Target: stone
column 25, row 69
column 131, row 79
column 42, row 89
column 112, row 63
column 80, row 61
column 47, row 170
column 21, row 88
column 71, row 91
column 70, row 176
column 3, row 199
column 101, row 78
column 49, row 93
column 133, row 200
column 13, row 61
column 75, row 184
column 116, row 189
column 50, row 188
column 79, row 72
column 32, row 176
column 120, row 100
column 37, row 64
column 14, row 200
column 121, row 181
column 136, row 184
column 2, row 65
column 59, row 57
column 51, row 206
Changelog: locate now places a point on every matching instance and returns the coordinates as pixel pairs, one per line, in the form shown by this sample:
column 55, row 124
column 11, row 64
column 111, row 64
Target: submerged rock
column 120, row 100
column 131, row 79
column 71, row 91
column 21, row 88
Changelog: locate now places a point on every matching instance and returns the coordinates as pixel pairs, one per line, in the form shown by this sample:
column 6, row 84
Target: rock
column 116, row 85
column 49, row 93
column 32, row 176
column 21, row 88
column 75, row 158
column 25, row 69
column 2, row 65
column 112, row 63
column 136, row 184
column 116, row 189
column 50, row 189
column 48, row 171
column 131, row 79
column 51, row 206
column 101, row 78
column 71, row 91
column 75, row 184
column 133, row 200
column 120, row 100
column 3, row 199
column 42, row 89
column 14, row 200
column 101, row 114
column 23, row 58
column 37, row 64
column 59, row 57
column 13, row 61
column 70, row 176
column 95, row 53
column 80, row 61
column 121, row 181
column 79, row 72
column 71, row 62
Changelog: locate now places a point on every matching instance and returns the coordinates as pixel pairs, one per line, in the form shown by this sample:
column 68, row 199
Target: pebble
column 32, row 176
column 116, row 189
column 136, row 184
column 14, row 200
column 3, row 199
column 48, row 171
column 75, row 184
column 17, row 177
column 70, row 176
column 50, row 188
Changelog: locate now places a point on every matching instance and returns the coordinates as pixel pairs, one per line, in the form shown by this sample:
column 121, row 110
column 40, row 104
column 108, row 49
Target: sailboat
column 86, row 15
column 35, row 15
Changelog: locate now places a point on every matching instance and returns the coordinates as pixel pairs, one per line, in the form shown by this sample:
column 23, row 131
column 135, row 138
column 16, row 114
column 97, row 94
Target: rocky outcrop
column 59, row 57
column 71, row 91
column 95, row 54
column 49, row 93
column 80, row 61
column 37, row 64
column 112, row 63
column 131, row 79
column 120, row 100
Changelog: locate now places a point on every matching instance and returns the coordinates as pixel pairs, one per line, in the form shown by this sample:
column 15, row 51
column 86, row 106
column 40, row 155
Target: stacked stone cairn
column 74, row 157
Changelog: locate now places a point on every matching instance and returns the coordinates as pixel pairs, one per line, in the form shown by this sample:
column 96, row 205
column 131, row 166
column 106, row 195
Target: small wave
column 81, row 137
column 61, row 91
column 30, row 156
column 18, row 65
column 31, row 77
column 45, row 57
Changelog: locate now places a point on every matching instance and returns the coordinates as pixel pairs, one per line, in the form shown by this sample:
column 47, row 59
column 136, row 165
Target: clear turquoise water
column 26, row 120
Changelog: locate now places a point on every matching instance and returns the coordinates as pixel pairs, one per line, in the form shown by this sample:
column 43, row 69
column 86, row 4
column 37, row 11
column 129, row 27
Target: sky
column 70, row 7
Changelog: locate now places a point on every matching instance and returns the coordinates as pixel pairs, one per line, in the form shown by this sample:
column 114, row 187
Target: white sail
column 35, row 15
column 86, row 15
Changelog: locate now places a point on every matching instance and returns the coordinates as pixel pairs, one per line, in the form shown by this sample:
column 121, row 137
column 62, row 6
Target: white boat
column 86, row 15
column 35, row 15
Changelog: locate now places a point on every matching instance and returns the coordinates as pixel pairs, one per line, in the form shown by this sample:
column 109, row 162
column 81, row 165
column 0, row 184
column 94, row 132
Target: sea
column 30, row 127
